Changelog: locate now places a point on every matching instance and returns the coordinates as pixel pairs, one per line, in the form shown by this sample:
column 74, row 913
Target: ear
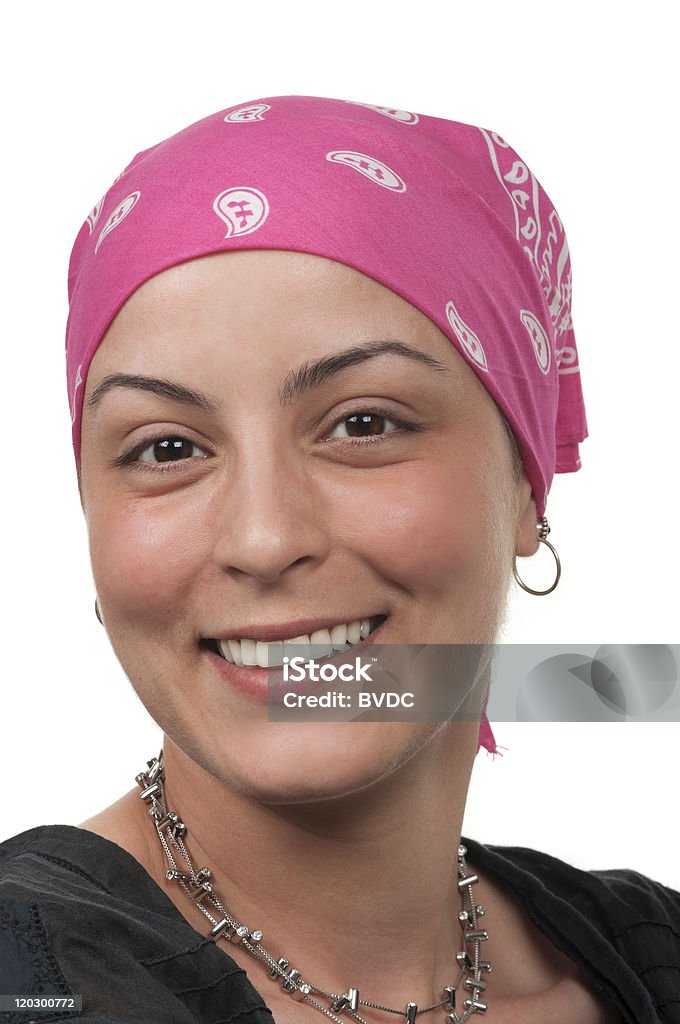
column 526, row 540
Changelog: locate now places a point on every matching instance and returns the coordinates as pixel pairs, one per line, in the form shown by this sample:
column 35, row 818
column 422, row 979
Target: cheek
column 145, row 554
column 420, row 524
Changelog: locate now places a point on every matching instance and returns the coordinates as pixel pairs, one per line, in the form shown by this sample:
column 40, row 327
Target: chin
column 311, row 762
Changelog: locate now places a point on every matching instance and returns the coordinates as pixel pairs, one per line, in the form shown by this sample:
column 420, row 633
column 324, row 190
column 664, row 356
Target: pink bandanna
column 445, row 214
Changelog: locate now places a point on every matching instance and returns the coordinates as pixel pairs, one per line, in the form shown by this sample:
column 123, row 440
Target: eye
column 153, row 452
column 168, row 449
column 368, row 425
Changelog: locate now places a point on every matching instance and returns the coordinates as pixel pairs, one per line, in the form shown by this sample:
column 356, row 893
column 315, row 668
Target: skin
column 272, row 515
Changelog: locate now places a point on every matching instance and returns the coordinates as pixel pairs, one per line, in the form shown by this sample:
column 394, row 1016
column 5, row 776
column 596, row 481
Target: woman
column 340, row 429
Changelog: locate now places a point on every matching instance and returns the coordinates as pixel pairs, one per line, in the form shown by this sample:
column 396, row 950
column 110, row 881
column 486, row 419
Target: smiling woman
column 379, row 473
column 337, row 434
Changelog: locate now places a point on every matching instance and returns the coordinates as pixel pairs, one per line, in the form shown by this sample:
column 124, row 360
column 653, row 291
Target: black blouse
column 79, row 915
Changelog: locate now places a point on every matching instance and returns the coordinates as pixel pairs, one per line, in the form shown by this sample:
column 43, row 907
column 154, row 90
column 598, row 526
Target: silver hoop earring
column 543, row 531
column 96, row 611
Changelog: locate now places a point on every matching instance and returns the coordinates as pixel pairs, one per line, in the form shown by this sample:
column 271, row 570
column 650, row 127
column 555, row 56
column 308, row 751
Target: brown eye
column 168, row 449
column 363, row 424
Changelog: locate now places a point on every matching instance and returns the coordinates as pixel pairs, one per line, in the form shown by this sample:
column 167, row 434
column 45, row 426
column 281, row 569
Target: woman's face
column 263, row 507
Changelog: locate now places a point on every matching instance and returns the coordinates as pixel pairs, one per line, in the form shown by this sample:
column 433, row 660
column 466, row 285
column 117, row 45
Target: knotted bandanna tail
column 445, row 214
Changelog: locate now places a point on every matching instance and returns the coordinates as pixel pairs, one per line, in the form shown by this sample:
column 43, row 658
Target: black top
column 78, row 914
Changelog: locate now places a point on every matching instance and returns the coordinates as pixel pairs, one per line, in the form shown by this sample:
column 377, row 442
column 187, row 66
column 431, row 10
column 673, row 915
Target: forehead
column 264, row 311
column 251, row 282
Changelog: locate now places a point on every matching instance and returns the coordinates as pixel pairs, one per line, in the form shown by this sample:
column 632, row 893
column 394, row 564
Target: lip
column 266, row 685
column 270, row 633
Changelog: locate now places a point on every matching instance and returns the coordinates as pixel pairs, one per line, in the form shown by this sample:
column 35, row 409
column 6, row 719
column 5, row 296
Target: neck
column 356, row 891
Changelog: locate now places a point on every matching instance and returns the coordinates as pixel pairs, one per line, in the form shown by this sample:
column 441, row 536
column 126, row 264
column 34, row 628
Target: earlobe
column 543, row 529
column 527, row 542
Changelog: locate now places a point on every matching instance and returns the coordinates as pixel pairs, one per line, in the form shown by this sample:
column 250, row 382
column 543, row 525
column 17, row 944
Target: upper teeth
column 324, row 641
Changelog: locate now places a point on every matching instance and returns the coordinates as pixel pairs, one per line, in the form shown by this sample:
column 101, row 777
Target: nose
column 271, row 516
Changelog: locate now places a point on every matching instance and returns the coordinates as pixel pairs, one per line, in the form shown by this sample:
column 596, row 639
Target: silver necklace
column 172, row 833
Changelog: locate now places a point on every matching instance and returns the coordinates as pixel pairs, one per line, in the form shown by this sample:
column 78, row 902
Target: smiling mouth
column 247, row 653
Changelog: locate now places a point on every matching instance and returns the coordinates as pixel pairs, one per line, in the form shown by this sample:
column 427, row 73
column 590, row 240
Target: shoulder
column 26, row 963
column 620, row 898
column 54, row 861
column 619, row 918
column 76, row 875
column 57, row 882
column 639, row 919
column 75, row 905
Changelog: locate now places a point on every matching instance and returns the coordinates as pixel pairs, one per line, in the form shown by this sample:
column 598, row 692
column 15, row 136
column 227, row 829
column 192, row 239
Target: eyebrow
column 307, row 376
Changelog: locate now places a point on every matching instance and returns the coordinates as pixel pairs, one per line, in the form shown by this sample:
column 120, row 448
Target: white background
column 584, row 93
